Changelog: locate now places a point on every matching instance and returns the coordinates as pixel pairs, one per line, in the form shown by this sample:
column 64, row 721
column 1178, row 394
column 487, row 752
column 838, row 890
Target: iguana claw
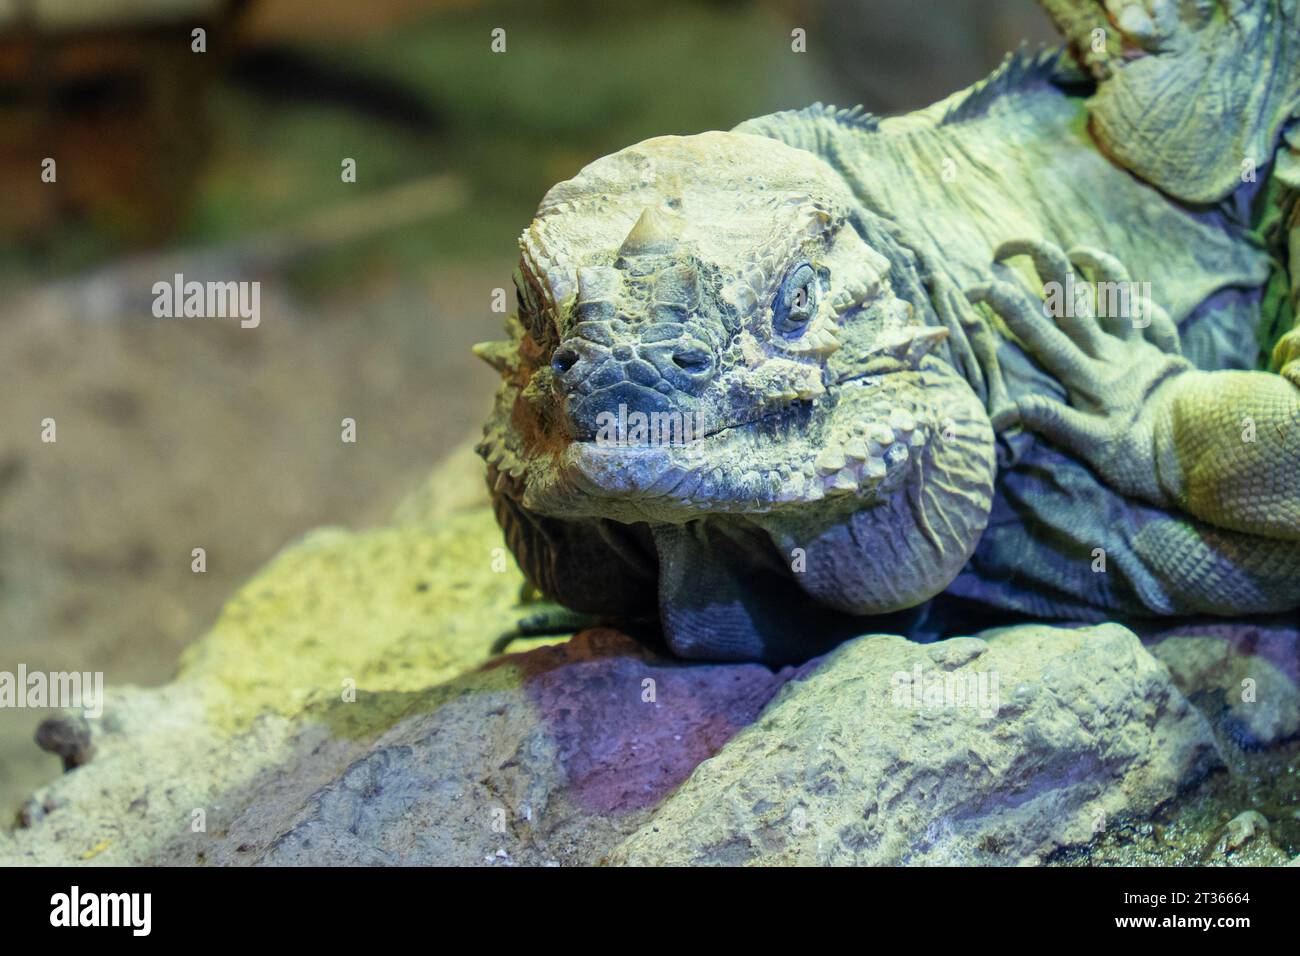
column 1111, row 374
column 545, row 620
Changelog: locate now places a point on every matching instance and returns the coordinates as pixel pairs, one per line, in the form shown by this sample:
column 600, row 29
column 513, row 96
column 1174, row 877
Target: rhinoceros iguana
column 766, row 382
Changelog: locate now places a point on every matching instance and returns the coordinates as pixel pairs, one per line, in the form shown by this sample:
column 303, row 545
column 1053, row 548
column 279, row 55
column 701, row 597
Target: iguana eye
column 796, row 301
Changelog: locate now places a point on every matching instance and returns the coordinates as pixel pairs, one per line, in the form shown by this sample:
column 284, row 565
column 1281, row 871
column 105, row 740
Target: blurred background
column 226, row 164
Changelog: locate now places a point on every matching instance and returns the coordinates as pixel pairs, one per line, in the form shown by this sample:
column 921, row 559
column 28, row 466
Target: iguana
column 766, row 382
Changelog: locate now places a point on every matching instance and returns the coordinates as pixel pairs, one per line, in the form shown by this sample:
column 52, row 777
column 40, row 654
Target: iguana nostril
column 563, row 359
column 693, row 361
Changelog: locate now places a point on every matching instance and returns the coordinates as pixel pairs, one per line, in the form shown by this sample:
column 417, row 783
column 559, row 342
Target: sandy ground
column 179, row 434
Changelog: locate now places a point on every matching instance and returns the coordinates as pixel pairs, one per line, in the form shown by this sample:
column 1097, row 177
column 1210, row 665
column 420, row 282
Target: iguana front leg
column 1223, row 446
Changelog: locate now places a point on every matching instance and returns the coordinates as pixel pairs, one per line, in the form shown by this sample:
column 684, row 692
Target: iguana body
column 787, row 288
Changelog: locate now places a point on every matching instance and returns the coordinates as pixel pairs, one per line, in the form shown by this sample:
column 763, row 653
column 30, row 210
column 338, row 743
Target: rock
column 547, row 756
column 1064, row 730
column 340, row 711
column 1244, row 676
column 1244, row 841
column 390, row 612
column 68, row 737
column 551, row 756
column 1242, row 828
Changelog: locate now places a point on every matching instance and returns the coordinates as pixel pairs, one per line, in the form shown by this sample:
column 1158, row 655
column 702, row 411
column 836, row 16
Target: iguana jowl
column 809, row 292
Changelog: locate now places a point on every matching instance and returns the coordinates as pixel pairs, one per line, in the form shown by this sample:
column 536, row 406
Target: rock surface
column 1245, row 676
column 558, row 754
column 549, row 757
column 339, row 713
column 842, row 769
column 346, row 709
column 1244, row 841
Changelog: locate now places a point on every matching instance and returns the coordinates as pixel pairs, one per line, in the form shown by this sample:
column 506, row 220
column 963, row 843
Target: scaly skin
column 789, row 293
column 1156, row 428
column 1193, row 97
column 1189, row 89
column 1175, row 106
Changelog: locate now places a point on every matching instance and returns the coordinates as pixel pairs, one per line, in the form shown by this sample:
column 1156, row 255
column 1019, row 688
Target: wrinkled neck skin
column 907, row 459
column 923, row 523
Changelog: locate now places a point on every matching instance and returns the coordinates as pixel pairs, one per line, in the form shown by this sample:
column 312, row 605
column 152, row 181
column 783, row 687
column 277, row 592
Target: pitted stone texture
column 548, row 757
column 1089, row 727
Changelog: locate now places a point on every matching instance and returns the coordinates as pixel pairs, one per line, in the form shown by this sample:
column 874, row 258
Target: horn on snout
column 654, row 232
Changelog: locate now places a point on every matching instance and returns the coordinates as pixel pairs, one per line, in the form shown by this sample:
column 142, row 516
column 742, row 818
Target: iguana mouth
column 786, row 416
column 855, row 442
column 777, row 421
column 797, row 411
column 903, row 354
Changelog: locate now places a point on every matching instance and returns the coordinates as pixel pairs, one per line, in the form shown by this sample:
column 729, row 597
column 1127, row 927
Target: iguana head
column 1192, row 94
column 703, row 329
